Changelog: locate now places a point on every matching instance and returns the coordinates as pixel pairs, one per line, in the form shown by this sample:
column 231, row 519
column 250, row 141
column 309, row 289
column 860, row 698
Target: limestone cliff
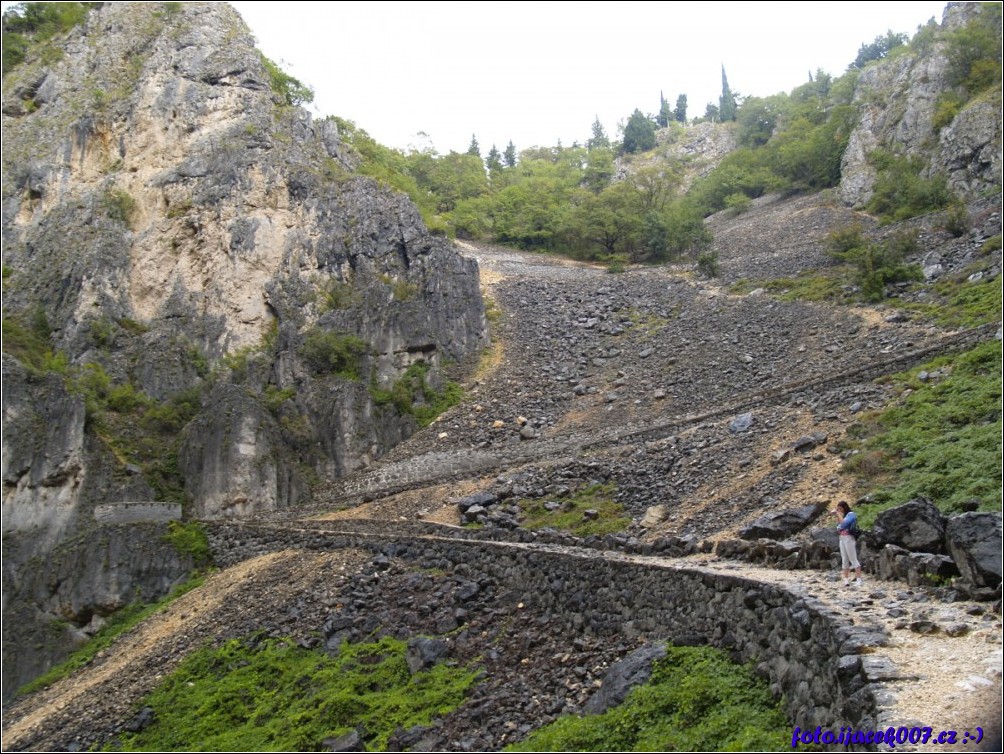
column 898, row 102
column 203, row 301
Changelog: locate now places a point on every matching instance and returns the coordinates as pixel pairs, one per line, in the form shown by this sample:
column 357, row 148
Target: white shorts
column 848, row 552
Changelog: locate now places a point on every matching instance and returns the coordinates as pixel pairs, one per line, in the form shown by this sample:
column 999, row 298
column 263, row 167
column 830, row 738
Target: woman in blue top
column 846, row 519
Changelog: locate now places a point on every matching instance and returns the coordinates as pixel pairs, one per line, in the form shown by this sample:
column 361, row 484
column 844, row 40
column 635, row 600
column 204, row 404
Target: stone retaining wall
column 810, row 653
column 135, row 513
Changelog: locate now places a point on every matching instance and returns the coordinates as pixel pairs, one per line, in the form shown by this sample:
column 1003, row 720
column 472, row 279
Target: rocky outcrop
column 192, row 259
column 897, row 100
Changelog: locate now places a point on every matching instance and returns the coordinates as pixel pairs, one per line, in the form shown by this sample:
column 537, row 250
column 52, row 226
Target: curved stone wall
column 811, row 654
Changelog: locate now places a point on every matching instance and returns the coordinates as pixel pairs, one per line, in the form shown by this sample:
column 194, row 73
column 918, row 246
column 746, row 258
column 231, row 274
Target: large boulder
column 974, row 542
column 621, row 677
column 917, row 526
column 782, row 524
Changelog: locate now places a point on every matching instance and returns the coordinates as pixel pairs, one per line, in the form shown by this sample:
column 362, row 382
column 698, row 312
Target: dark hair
column 846, row 508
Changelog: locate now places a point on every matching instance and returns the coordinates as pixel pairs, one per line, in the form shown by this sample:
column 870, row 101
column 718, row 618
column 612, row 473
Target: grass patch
column 696, row 700
column 939, row 439
column 27, row 340
column 822, row 285
column 118, row 624
column 189, row 540
column 277, row 696
column 570, row 516
column 959, row 303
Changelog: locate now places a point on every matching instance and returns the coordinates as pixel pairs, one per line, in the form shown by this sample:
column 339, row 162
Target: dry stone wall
column 811, row 655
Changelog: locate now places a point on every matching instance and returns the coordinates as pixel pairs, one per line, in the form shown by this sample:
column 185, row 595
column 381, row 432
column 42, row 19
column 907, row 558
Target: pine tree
column 727, row 102
column 665, row 114
column 474, row 149
column 599, row 138
column 509, row 156
column 680, row 113
column 493, row 161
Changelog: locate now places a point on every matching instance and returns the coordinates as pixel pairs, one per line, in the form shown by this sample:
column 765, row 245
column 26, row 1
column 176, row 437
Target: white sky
column 536, row 72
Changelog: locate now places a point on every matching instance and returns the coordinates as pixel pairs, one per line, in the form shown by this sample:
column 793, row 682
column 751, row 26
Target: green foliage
column 940, row 438
column 291, row 90
column 900, row 190
column 695, row 700
column 974, row 51
column 946, row 108
column 957, row 219
column 680, row 111
column 876, row 265
column 826, row 285
column 189, row 540
column 273, row 397
column 707, row 265
column 570, row 516
column 639, row 134
column 738, row 203
column 330, row 352
column 27, row 340
column 118, row 623
column 119, row 205
column 27, row 26
column 276, row 696
column 338, row 295
column 878, row 49
column 727, row 101
column 412, row 394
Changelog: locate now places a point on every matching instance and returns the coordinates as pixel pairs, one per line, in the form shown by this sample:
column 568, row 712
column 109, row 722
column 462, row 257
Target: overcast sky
column 542, row 71
column 537, row 72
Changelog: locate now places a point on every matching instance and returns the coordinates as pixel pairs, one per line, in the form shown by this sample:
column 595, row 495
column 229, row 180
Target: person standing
column 847, row 521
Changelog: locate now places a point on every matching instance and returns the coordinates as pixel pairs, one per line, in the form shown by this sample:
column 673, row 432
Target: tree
column 493, row 161
column 509, row 156
column 727, row 102
column 680, row 113
column 878, row 49
column 665, row 114
column 474, row 149
column 711, row 112
column 599, row 138
column 639, row 133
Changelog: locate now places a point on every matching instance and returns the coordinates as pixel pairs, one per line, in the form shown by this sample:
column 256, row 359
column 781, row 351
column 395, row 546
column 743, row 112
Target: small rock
column 741, row 423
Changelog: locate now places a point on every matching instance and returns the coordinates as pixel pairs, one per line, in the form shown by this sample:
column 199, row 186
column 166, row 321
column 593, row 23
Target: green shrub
column 901, row 192
column 946, row 108
column 327, row 351
column 27, row 25
column 695, row 700
column 957, row 220
column 273, row 397
column 292, row 91
column 413, row 385
column 338, row 295
column 273, row 695
column 876, row 265
column 707, row 265
column 738, row 203
column 29, row 343
column 189, row 540
column 119, row 205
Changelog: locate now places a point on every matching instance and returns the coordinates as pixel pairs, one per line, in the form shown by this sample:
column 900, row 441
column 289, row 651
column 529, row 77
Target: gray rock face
column 917, row 526
column 974, row 542
column 215, row 230
column 897, row 100
column 783, row 523
column 633, row 670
